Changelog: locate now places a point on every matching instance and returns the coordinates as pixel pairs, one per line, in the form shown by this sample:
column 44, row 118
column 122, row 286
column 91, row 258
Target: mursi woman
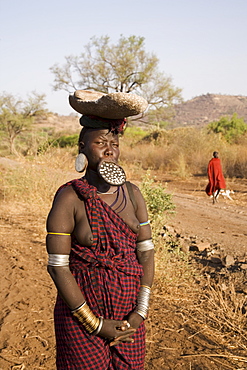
column 101, row 255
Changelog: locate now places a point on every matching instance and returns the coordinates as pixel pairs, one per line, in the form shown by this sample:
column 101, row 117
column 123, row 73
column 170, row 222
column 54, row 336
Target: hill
column 207, row 108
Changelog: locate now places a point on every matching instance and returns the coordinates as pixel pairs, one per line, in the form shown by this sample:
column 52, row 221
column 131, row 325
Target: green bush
column 66, row 141
column 158, row 201
column 230, row 128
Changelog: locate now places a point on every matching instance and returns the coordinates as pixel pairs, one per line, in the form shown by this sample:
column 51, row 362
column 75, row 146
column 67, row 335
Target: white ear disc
column 112, row 173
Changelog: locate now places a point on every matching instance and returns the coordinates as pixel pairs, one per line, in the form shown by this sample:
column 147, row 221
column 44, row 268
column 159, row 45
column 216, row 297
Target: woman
column 101, row 255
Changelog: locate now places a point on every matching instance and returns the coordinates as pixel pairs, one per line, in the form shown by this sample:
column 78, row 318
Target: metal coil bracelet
column 143, row 301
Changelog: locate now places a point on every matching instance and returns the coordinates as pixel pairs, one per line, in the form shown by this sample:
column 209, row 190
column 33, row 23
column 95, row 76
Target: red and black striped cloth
column 108, row 274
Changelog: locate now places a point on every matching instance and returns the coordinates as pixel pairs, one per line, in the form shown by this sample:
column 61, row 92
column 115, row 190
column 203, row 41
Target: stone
column 228, row 260
column 202, row 246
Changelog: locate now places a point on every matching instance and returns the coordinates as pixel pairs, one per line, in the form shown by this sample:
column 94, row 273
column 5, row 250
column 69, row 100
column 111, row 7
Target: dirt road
column 224, row 223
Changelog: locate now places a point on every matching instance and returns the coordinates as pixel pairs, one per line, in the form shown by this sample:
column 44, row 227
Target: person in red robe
column 215, row 177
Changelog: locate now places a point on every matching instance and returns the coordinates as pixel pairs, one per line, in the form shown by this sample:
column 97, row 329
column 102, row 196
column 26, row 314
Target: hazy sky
column 201, row 44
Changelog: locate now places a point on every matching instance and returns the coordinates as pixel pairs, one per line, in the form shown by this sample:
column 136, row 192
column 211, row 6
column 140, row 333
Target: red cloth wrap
column 215, row 177
column 108, row 275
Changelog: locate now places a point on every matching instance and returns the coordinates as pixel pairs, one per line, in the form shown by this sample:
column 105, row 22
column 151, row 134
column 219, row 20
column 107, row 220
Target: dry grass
column 223, row 312
column 183, row 152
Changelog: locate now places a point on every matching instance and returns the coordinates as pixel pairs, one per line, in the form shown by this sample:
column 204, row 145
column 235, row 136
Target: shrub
column 230, row 128
column 158, row 201
column 66, row 141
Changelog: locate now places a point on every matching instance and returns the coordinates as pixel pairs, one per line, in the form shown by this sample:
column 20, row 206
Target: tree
column 124, row 67
column 16, row 115
column 230, row 128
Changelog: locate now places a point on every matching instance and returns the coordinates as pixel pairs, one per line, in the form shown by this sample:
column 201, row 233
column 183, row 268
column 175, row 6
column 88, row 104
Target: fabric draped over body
column 215, row 176
column 108, row 274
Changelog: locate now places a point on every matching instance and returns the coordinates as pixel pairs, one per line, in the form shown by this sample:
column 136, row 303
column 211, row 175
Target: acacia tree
column 121, row 67
column 16, row 115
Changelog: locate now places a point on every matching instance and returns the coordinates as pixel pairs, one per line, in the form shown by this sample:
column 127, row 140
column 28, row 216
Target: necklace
column 120, row 201
column 110, row 192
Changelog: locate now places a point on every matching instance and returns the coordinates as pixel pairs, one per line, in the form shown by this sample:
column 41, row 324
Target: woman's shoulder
column 66, row 194
column 136, row 192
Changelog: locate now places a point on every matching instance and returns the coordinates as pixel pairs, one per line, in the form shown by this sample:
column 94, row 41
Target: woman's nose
column 108, row 150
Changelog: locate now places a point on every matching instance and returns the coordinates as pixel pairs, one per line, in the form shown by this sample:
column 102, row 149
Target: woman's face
column 99, row 145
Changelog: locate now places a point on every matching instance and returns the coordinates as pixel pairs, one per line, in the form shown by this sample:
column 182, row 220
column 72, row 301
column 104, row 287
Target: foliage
column 64, row 141
column 158, row 201
column 159, row 204
column 230, row 128
column 133, row 134
column 124, row 66
column 67, row 141
column 16, row 115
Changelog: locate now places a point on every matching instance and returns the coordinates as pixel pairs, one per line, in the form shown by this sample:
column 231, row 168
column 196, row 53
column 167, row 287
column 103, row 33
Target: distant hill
column 207, row 108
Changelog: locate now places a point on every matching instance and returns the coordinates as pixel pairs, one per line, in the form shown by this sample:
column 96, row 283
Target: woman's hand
column 135, row 320
column 117, row 331
column 126, row 329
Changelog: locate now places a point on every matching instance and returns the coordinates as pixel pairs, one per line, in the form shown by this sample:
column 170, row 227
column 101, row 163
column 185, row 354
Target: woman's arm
column 145, row 258
column 61, row 220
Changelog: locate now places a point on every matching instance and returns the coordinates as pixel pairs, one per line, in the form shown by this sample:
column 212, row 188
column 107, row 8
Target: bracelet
column 87, row 318
column 146, row 286
column 96, row 332
column 143, row 301
column 76, row 309
column 142, row 314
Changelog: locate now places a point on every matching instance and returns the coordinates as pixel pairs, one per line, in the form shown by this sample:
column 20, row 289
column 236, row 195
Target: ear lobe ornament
column 81, row 162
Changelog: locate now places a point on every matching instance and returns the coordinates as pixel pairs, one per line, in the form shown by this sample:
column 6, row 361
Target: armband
column 58, row 259
column 145, row 245
column 145, row 223
column 52, row 233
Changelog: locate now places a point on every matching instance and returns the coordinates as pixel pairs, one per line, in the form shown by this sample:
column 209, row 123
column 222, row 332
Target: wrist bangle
column 101, row 320
column 143, row 301
column 76, row 309
column 86, row 317
column 142, row 314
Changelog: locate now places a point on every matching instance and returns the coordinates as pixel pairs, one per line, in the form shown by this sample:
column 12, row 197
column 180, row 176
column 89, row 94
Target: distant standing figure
column 215, row 177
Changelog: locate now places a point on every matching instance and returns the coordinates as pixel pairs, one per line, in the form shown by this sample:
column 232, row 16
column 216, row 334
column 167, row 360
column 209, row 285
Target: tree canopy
column 16, row 115
column 121, row 67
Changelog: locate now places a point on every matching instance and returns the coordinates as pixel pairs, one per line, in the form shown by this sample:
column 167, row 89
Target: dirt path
column 224, row 223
